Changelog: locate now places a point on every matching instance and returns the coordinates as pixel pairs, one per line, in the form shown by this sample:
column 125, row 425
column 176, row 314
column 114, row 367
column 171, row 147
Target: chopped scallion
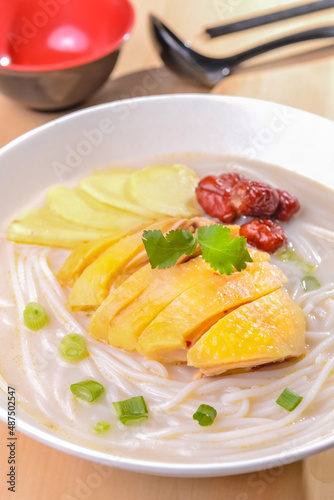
column 289, row 400
column 131, row 410
column 205, row 415
column 288, row 254
column 35, row 316
column 72, row 348
column 101, row 427
column 88, row 390
column 310, row 283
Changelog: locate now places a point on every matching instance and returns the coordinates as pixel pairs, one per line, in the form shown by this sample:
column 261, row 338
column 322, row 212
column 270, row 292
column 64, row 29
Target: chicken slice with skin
column 93, row 285
column 135, row 279
column 191, row 314
column 266, row 330
column 166, row 285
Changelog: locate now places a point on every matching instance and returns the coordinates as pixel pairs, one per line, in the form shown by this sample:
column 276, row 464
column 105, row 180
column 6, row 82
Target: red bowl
column 54, row 54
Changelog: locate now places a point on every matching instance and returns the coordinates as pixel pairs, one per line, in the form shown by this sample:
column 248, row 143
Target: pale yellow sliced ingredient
column 167, row 189
column 201, row 306
column 109, row 187
column 125, row 328
column 41, row 226
column 268, row 329
column 78, row 207
column 94, row 284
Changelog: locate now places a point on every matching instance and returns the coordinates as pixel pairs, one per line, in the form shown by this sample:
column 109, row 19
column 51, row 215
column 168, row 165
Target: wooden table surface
column 300, row 76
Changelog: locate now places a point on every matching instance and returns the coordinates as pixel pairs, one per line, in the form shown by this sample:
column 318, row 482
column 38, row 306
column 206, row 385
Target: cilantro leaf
column 223, row 253
column 164, row 251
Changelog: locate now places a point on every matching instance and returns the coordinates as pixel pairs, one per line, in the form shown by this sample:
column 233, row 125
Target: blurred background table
column 300, row 76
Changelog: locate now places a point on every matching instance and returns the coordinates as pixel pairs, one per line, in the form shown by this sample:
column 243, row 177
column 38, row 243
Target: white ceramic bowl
column 152, row 127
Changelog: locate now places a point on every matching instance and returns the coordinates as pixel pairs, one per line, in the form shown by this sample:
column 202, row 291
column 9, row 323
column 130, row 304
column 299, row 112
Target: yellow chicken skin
column 263, row 331
column 119, row 298
column 167, row 284
column 93, row 285
column 134, row 280
column 185, row 319
column 84, row 255
column 81, row 257
column 131, row 288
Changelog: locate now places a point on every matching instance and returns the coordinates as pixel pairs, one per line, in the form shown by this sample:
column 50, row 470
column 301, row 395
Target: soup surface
column 249, row 423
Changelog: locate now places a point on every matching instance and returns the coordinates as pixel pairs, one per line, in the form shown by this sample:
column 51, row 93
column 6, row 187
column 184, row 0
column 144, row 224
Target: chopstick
column 280, row 15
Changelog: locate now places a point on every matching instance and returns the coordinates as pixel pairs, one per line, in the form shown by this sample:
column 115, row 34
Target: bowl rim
column 80, row 61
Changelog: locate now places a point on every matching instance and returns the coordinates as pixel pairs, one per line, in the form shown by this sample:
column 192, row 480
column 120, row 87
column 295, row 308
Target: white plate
column 130, row 130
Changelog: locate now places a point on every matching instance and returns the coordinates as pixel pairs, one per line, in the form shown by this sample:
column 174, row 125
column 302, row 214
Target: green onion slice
column 205, row 415
column 288, row 254
column 35, row 316
column 101, row 427
column 310, row 283
column 88, row 390
column 72, row 348
column 131, row 410
column 289, row 400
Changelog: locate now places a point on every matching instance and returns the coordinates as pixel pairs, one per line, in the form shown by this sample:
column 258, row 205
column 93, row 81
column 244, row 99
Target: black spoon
column 183, row 60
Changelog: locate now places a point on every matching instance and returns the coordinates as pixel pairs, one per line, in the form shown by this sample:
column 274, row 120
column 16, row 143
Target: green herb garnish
column 88, row 390
column 288, row 254
column 101, row 427
column 310, row 283
column 35, row 316
column 205, row 415
column 131, row 410
column 289, row 400
column 72, row 348
column 223, row 253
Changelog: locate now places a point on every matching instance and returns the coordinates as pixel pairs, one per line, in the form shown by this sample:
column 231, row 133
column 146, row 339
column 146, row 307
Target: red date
column 214, row 195
column 263, row 234
column 254, row 199
column 216, row 205
column 288, row 206
column 228, row 196
column 228, row 181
